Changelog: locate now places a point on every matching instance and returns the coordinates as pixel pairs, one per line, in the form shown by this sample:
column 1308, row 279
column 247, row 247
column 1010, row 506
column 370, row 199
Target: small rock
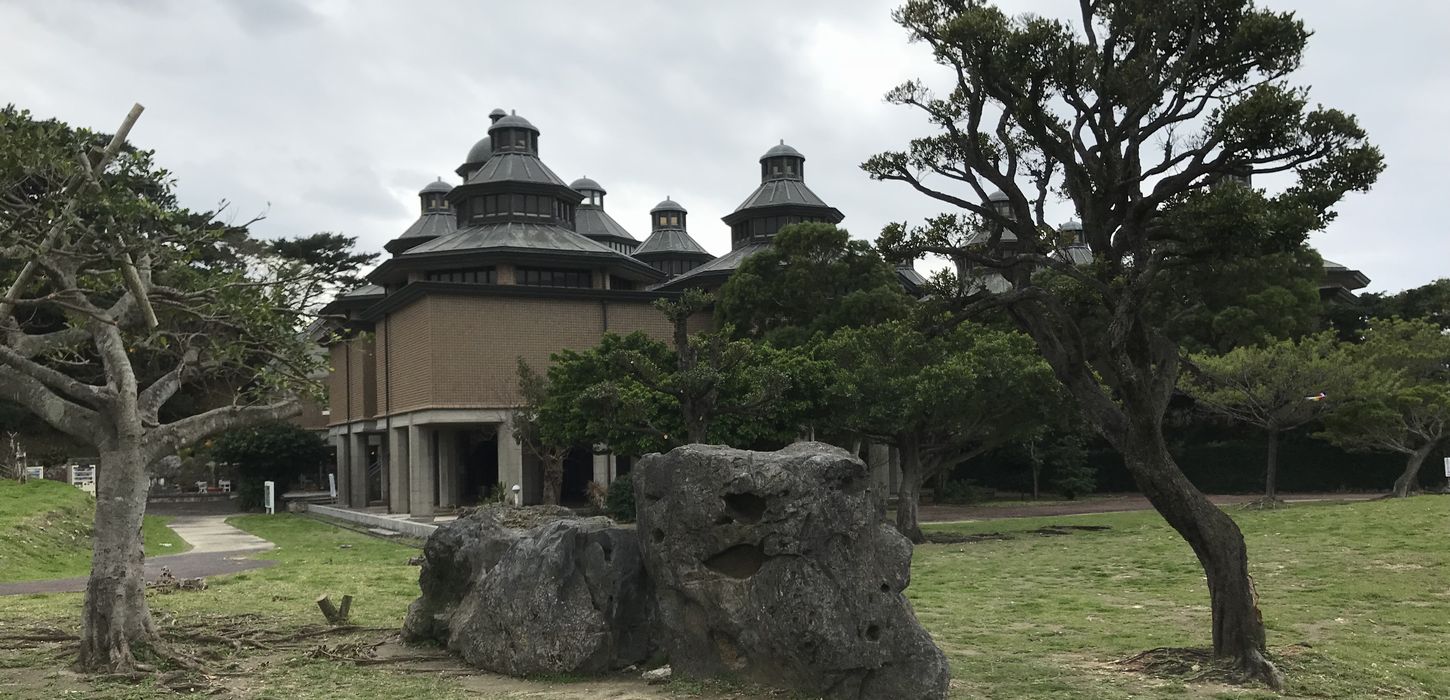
column 344, row 546
column 658, row 676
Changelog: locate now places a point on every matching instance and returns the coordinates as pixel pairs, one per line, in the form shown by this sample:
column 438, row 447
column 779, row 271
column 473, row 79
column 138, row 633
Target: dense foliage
column 279, row 452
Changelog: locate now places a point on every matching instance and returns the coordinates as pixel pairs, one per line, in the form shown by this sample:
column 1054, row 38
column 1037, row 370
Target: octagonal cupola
column 667, row 214
column 435, row 220
column 481, row 151
column 592, row 221
column 514, row 134
column 782, row 162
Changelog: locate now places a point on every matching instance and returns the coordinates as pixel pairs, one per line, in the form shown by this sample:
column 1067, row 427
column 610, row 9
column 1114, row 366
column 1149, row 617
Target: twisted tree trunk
column 1409, row 481
column 908, row 495
column 1238, row 626
column 116, row 618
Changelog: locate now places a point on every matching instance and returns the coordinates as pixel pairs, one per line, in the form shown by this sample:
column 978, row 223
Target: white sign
column 1447, row 467
column 332, row 484
column 269, row 496
column 83, row 477
column 35, row 472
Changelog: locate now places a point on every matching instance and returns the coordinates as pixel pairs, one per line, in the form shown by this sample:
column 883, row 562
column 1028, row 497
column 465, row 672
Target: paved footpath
column 216, row 549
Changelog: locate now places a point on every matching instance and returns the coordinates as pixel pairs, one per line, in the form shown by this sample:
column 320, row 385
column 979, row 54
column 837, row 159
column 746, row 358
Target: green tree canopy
column 940, row 398
column 1402, row 403
column 277, row 452
column 812, row 279
column 1277, row 387
column 1142, row 114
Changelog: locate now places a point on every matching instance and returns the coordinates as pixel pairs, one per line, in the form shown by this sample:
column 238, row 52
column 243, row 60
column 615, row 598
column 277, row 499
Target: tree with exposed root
column 125, row 301
column 1150, row 117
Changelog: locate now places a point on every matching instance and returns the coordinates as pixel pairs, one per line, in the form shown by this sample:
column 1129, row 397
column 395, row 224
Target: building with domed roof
column 511, row 264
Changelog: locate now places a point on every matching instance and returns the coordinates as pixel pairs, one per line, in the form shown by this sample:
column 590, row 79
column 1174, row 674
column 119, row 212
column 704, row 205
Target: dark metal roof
column 516, row 236
column 480, row 151
column 593, row 222
column 516, row 167
column 431, row 225
column 1071, row 225
column 497, row 114
column 436, row 186
column 910, row 278
column 716, row 270
column 998, row 196
column 586, row 184
column 1338, row 275
column 367, row 290
column 671, row 241
column 668, row 205
column 782, row 150
column 779, row 193
column 513, row 121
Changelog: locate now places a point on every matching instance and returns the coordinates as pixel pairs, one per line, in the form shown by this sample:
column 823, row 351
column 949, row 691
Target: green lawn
column 1365, row 586
column 46, row 528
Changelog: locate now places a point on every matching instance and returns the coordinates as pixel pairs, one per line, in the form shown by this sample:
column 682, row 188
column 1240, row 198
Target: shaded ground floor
column 426, row 462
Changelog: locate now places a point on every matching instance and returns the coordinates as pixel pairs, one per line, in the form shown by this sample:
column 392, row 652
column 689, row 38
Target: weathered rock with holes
column 569, row 596
column 775, row 567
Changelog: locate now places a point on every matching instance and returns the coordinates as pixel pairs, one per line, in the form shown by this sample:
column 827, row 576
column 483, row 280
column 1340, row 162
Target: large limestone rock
column 569, row 596
column 775, row 567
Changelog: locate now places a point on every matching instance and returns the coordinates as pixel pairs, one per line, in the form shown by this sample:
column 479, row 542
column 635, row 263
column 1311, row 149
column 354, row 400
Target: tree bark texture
column 1409, row 481
column 1271, row 475
column 908, row 495
column 116, row 618
column 553, row 479
column 1238, row 626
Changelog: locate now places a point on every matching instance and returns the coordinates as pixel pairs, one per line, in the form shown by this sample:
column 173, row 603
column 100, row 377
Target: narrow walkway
column 217, row 549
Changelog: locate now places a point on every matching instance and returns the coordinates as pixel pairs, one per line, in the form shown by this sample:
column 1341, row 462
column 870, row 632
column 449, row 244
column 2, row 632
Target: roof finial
column 515, row 112
column 782, row 142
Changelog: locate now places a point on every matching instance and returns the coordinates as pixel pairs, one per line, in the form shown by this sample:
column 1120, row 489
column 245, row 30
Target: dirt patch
column 1050, row 530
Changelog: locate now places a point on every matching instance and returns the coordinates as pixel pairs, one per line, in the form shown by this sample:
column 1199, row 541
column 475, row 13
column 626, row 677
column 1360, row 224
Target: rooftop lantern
column 1000, row 203
column 782, row 162
column 481, row 151
column 434, row 196
column 514, row 134
column 667, row 215
column 1071, row 232
column 593, row 192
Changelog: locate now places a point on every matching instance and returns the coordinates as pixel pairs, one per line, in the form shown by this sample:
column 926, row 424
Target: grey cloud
column 336, row 113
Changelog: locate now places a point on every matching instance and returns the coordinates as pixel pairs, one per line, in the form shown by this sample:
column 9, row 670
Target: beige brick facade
column 447, row 351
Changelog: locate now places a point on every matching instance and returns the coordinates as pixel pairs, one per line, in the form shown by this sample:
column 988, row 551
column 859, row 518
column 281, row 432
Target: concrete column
column 421, row 463
column 340, row 470
column 601, row 469
column 357, row 487
column 398, row 470
column 510, row 458
column 447, row 467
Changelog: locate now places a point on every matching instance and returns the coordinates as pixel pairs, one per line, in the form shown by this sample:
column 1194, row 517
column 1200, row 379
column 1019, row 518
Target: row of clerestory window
column 663, row 220
column 674, row 267
column 532, row 206
column 481, row 275
column 764, row 227
column 545, row 277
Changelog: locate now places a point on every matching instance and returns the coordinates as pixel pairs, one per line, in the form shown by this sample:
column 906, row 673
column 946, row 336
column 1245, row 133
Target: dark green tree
column 1401, row 402
column 1430, row 302
column 1145, row 115
column 812, row 279
column 548, row 442
column 278, row 452
column 1276, row 388
column 939, row 398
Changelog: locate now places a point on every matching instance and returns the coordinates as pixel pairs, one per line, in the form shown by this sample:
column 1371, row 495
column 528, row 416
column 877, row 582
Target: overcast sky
column 330, row 115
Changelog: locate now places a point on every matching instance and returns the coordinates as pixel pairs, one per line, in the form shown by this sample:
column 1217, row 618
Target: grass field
column 1356, row 598
column 45, row 531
